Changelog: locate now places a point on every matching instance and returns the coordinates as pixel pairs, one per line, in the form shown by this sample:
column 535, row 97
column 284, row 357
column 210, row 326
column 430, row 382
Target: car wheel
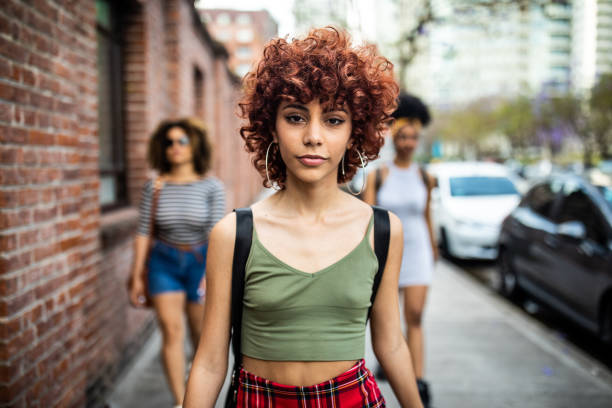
column 606, row 322
column 444, row 247
column 508, row 284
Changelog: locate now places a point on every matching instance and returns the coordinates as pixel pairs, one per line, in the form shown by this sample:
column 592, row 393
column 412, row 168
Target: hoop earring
column 272, row 185
column 348, row 185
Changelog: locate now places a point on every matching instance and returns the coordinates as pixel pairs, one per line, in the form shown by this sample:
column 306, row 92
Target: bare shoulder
column 224, row 231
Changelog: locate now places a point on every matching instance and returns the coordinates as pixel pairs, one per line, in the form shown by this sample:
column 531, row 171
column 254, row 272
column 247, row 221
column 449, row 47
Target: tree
column 517, row 120
column 569, row 114
column 601, row 115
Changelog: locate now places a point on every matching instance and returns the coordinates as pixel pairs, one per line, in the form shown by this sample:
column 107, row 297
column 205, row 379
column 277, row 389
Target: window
column 223, row 35
column 540, row 199
column 245, row 35
column 243, row 19
column 244, row 52
column 224, row 19
column 576, row 205
column 243, row 69
column 481, row 186
column 110, row 132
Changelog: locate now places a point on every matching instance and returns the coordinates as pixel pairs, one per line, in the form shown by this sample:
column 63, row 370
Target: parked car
column 468, row 206
column 557, row 246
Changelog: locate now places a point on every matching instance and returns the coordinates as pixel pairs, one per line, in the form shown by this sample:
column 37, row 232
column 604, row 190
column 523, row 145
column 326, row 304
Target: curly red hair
column 325, row 66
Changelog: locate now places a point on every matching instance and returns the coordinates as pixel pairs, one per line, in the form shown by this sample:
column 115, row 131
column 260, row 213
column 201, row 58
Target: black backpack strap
column 382, row 235
column 242, row 247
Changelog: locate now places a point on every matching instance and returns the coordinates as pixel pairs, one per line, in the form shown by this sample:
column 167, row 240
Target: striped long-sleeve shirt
column 186, row 212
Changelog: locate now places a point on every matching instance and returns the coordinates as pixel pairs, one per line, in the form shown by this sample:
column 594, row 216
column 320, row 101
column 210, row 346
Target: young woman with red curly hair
column 315, row 108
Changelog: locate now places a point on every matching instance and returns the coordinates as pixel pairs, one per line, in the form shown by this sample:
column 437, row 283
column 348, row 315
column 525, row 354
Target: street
column 482, row 351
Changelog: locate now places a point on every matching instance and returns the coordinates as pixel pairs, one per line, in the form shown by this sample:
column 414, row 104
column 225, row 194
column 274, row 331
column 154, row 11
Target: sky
column 280, row 10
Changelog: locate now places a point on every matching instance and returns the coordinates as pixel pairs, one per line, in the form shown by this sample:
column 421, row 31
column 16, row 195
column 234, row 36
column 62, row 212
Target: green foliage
column 516, row 119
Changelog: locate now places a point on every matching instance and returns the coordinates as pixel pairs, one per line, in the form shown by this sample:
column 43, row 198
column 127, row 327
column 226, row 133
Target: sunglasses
column 182, row 141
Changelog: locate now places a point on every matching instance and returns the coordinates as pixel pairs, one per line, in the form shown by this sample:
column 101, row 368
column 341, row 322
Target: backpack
column 242, row 247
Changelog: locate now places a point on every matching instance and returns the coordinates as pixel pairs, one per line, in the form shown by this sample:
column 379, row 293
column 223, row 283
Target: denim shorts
column 174, row 270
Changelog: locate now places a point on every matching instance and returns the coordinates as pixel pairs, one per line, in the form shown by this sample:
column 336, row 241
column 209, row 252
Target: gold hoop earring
column 348, row 184
column 272, row 185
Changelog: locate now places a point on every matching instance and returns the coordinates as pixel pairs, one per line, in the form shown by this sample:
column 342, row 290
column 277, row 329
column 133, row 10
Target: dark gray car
column 557, row 246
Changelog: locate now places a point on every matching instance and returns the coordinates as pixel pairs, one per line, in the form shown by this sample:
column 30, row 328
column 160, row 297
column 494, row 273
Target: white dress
column 404, row 193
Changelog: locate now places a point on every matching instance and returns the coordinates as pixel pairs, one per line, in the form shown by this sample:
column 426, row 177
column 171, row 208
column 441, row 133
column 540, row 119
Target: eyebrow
column 303, row 108
column 296, row 106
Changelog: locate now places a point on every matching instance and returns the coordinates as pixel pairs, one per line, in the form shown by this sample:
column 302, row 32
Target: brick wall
column 66, row 330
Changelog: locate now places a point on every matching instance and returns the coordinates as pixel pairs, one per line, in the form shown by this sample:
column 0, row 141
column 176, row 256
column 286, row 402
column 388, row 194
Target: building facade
column 243, row 33
column 493, row 55
column 591, row 42
column 82, row 86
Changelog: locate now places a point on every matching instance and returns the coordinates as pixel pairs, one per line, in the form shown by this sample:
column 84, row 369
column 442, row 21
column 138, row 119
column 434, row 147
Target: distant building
column 510, row 53
column 591, row 42
column 243, row 33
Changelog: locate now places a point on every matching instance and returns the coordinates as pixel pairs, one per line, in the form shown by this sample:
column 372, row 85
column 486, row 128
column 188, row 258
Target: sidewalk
column 481, row 352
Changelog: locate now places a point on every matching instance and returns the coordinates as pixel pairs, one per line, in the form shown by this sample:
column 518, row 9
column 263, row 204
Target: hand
column 436, row 253
column 202, row 291
column 137, row 291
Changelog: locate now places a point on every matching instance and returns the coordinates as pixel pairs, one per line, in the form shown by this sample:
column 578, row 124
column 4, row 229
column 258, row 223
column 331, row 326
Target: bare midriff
column 297, row 373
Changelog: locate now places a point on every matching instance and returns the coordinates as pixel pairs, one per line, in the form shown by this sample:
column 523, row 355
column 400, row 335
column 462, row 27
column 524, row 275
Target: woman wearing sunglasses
column 186, row 204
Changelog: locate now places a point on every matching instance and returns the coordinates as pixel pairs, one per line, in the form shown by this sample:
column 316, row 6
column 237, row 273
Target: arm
column 434, row 245
column 210, row 362
column 141, row 247
column 217, row 202
column 387, row 339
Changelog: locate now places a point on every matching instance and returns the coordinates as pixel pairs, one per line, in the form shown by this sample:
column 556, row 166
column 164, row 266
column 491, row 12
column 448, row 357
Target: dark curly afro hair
column 326, row 66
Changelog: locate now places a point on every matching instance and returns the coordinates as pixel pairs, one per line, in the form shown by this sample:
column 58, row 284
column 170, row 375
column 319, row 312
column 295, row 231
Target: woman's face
column 312, row 140
column 406, row 139
column 178, row 146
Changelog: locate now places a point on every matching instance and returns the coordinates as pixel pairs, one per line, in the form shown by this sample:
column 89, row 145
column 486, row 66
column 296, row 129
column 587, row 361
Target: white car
column 468, row 205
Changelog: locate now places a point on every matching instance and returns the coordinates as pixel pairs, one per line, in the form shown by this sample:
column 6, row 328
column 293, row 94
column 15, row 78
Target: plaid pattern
column 354, row 388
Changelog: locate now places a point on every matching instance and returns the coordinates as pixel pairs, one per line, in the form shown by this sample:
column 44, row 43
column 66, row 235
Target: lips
column 311, row 160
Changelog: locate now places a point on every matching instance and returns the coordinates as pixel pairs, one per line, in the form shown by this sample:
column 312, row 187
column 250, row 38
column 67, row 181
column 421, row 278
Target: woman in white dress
column 402, row 187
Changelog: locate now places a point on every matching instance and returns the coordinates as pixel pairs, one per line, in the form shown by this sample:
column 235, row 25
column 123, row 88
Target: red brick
column 41, row 62
column 15, row 218
column 19, row 341
column 8, row 286
column 16, row 304
column 13, row 51
column 45, row 251
column 37, row 137
column 28, row 197
column 8, row 330
column 8, row 199
column 11, row 155
column 28, row 238
column 7, row 91
column 9, row 373
column 6, row 110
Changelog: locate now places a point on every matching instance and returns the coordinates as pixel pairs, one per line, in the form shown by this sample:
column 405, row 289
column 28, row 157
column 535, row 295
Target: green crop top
column 291, row 315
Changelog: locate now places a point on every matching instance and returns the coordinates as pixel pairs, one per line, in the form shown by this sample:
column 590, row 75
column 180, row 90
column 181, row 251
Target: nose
column 313, row 133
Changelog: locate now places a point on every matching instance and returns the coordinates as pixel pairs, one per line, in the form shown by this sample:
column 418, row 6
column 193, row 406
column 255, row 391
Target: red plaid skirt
column 354, row 388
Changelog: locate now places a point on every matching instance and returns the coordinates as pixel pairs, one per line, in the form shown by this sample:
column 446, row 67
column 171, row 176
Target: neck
column 183, row 171
column 311, row 201
column 403, row 161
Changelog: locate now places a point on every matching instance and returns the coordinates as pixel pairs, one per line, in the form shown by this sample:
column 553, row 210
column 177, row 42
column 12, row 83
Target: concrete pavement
column 481, row 352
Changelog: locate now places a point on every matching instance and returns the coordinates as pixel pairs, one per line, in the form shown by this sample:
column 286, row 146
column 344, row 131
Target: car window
column 481, row 186
column 576, row 205
column 540, row 199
